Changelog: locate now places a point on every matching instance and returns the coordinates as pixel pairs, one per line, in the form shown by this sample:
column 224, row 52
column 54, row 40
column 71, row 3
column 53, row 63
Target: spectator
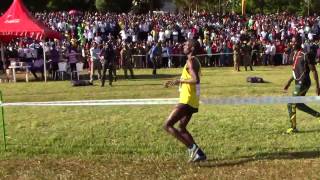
column 95, row 61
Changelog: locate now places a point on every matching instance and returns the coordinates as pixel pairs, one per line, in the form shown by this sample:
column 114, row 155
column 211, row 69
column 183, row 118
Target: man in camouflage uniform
column 246, row 55
column 236, row 57
column 126, row 59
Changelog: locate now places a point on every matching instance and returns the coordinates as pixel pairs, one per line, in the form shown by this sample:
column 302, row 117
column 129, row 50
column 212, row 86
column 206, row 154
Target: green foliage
column 102, row 5
column 40, row 5
column 114, row 6
column 146, row 5
column 253, row 6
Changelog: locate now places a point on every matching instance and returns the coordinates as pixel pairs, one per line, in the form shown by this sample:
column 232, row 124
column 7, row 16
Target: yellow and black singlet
column 300, row 68
column 190, row 93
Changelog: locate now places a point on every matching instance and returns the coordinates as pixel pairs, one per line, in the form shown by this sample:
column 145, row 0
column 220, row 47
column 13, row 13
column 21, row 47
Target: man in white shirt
column 95, row 61
column 272, row 53
column 167, row 34
column 161, row 36
column 123, row 35
column 267, row 50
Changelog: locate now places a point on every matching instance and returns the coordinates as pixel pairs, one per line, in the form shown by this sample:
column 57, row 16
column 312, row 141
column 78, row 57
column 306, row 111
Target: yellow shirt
column 189, row 93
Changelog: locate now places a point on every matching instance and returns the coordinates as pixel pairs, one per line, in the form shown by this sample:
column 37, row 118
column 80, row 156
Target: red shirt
column 280, row 48
column 214, row 48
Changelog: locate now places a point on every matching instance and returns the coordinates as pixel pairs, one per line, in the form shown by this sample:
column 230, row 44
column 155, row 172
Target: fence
column 215, row 59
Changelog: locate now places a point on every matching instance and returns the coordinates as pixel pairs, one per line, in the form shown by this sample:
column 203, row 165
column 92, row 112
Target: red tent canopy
column 18, row 22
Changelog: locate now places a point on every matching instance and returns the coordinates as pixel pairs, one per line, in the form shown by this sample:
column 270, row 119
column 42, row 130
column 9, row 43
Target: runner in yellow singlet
column 188, row 102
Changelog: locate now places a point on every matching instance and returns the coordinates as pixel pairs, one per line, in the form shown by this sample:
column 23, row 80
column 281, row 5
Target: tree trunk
column 261, row 5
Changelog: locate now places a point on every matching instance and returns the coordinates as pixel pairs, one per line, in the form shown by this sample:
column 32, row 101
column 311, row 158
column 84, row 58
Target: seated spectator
column 37, row 66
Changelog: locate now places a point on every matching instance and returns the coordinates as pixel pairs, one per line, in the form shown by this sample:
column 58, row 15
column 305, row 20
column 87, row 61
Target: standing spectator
column 318, row 54
column 267, row 52
column 37, row 66
column 256, row 59
column 246, row 55
column 73, row 56
column 214, row 51
column 279, row 52
column 95, row 61
column 165, row 55
column 155, row 55
column 236, row 57
column 126, row 61
column 108, row 58
column 55, row 58
column 272, row 53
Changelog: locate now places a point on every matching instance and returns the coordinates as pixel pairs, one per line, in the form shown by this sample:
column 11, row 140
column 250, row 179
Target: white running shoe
column 193, row 152
column 199, row 158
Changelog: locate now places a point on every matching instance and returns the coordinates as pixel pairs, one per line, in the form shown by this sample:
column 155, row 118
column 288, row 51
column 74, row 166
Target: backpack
column 81, row 83
column 255, row 80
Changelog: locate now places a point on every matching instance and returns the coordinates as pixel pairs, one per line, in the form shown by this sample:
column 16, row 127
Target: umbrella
column 73, row 12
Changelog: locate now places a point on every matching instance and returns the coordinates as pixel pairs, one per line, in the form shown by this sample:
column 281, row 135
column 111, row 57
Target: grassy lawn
column 128, row 142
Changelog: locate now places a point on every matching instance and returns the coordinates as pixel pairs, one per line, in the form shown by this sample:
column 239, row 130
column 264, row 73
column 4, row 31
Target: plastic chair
column 13, row 63
column 79, row 69
column 62, row 68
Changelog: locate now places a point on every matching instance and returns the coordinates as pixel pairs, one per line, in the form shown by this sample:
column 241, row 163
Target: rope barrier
column 163, row 101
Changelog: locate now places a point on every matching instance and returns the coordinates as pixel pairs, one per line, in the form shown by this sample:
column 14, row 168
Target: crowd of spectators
column 156, row 39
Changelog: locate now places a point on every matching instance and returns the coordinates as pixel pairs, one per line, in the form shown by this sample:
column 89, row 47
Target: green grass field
column 128, row 142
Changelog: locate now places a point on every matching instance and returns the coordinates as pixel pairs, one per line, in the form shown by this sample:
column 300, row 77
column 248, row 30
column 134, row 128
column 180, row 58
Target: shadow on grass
column 263, row 156
column 119, row 77
column 300, row 132
column 150, row 76
column 309, row 131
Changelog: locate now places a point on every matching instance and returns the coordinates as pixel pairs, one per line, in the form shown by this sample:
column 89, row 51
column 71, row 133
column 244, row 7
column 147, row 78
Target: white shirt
column 123, row 34
column 263, row 34
column 145, row 27
column 190, row 35
column 134, row 38
column 268, row 49
column 90, row 34
column 167, row 34
column 310, row 36
column 161, row 36
column 165, row 52
column 272, row 49
column 94, row 53
column 98, row 39
column 150, row 38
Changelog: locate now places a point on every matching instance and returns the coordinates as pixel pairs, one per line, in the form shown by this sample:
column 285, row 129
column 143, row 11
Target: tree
column 114, row 6
column 102, row 5
column 191, row 5
column 144, row 6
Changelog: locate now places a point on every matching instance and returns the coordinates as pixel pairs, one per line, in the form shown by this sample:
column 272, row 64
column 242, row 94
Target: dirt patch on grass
column 113, row 168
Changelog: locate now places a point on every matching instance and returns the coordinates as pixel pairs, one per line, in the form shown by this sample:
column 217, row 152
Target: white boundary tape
column 114, row 102
column 262, row 100
column 159, row 101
